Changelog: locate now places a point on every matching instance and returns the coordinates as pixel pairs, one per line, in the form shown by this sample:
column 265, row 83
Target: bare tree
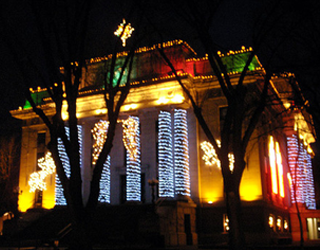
column 9, row 172
column 245, row 105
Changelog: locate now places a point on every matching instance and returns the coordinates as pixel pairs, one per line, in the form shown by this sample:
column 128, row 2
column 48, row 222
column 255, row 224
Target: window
column 279, row 224
column 313, row 228
column 276, row 168
column 285, row 225
column 271, row 222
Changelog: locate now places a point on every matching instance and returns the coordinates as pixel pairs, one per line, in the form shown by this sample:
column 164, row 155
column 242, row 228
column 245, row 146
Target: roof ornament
column 124, row 31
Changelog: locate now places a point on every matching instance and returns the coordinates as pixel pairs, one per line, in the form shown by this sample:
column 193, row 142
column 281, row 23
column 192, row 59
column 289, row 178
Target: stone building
column 168, row 167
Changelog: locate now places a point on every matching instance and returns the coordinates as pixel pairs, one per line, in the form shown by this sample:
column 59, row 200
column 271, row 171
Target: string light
column 104, row 195
column 37, row 179
column 99, row 134
column 60, row 199
column 231, row 162
column 124, row 31
column 131, row 139
column 301, row 173
column 166, row 183
column 210, row 156
column 130, row 127
column 181, row 153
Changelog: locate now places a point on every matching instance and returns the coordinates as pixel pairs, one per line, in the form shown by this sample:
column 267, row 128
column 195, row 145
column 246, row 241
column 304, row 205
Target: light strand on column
column 181, row 153
column 99, row 134
column 301, row 173
column 60, row 199
column 166, row 182
column 131, row 139
column 310, row 199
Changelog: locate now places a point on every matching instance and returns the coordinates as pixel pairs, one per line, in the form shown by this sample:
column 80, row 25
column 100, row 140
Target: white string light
column 131, row 140
column 60, row 199
column 166, row 183
column 301, row 173
column 181, row 153
column 99, row 134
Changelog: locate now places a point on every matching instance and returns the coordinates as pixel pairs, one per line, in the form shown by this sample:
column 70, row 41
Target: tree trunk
column 234, row 211
column 81, row 234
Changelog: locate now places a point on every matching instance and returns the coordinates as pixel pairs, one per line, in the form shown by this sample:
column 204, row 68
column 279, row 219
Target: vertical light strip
column 292, row 143
column 99, row 134
column 301, row 173
column 60, row 199
column 181, row 153
column 104, row 195
column 131, row 139
column 280, row 170
column 272, row 162
column 310, row 201
column 166, row 182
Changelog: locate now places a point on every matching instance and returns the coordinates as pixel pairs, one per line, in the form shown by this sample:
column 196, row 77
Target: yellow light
column 124, row 31
column 279, row 223
column 271, row 221
column 178, row 98
column 130, row 107
column 162, row 100
column 287, row 105
column 250, row 190
column 280, row 170
column 289, row 179
column 101, row 111
column 64, row 116
column 130, row 128
column 272, row 161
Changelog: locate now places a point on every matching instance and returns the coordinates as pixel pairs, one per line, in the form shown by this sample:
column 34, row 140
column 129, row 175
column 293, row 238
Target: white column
column 99, row 134
column 181, row 153
column 166, row 182
column 131, row 138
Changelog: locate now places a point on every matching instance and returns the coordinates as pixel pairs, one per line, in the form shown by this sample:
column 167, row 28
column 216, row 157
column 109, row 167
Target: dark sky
column 290, row 34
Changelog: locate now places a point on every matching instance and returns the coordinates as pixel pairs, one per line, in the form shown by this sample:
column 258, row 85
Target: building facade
column 160, row 154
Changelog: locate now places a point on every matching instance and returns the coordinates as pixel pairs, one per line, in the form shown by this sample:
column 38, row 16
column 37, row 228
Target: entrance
column 313, row 228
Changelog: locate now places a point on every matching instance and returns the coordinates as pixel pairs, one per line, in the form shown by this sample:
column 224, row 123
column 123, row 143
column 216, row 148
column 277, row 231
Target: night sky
column 290, row 30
